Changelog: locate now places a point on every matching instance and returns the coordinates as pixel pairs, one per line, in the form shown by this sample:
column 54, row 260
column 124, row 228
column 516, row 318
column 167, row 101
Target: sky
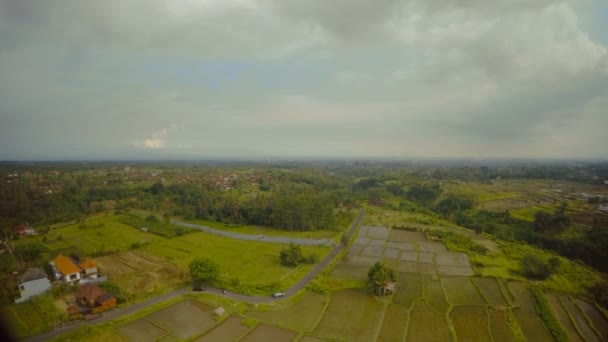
column 186, row 79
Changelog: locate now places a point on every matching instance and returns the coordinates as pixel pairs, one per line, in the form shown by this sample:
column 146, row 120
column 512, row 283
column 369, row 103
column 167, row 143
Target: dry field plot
column 230, row 330
column 523, row 297
column 350, row 272
column 470, row 323
column 142, row 330
column 352, row 315
column 393, row 324
column 265, row 333
column 531, row 326
column 185, row 319
column 461, row 291
column 427, row 325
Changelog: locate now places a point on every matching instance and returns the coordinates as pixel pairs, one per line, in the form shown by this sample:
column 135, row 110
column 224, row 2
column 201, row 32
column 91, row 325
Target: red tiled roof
column 65, row 265
column 90, row 292
column 88, row 264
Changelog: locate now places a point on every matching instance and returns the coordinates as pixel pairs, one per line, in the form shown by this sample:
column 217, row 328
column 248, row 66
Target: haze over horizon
column 303, row 79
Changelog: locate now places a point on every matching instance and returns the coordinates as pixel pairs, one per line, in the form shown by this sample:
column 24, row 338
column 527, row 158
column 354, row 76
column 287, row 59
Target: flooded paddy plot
column 351, row 315
column 562, row 317
column 434, row 294
column 491, row 292
column 142, row 330
column 264, row 333
column 427, row 325
column 380, row 243
column 453, row 259
column 377, row 233
column 359, row 260
column 301, row 316
column 372, row 251
column 391, row 253
column 185, row 319
column 355, row 249
column 499, row 327
column 393, row 324
column 470, row 323
column 581, row 322
column 350, row 272
column 409, row 289
column 409, row 256
column 229, row 330
column 461, row 291
column 455, row 271
column 426, row 258
column 362, row 241
column 404, row 246
column 434, row 247
column 401, row 235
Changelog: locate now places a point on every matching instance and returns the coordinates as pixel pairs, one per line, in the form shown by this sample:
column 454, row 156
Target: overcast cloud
column 288, row 78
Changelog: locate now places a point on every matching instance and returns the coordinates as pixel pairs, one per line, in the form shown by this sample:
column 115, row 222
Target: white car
column 278, row 295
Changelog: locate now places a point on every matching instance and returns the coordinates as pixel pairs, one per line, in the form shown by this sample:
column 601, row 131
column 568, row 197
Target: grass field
column 251, row 262
column 23, row 319
column 470, row 323
column 394, row 324
column 461, row 291
column 427, row 325
column 351, row 315
column 142, row 330
column 301, row 316
column 229, row 330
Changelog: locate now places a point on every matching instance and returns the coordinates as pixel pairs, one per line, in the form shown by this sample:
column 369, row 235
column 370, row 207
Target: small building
column 66, row 269
column 92, row 296
column 89, row 269
column 23, row 230
column 219, row 311
column 33, row 282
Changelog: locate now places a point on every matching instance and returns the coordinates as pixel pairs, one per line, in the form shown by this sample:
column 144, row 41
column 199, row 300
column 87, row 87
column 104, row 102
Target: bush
column 318, row 286
column 311, row 259
column 204, row 270
column 544, row 311
column 291, row 256
column 534, row 267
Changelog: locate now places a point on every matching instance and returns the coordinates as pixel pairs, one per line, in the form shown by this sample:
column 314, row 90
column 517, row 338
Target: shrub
column 318, row 286
column 311, row 259
column 204, row 270
column 379, row 278
column 534, row 267
column 291, row 256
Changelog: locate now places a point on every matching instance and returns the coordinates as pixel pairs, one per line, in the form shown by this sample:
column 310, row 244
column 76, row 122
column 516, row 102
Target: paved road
column 250, row 237
column 110, row 315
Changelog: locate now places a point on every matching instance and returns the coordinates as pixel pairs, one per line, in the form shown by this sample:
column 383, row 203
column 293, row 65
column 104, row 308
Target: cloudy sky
column 176, row 79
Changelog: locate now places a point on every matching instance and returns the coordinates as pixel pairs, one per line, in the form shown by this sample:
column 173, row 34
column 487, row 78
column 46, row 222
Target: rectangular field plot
column 185, row 319
column 380, row 243
column 352, row 315
column 461, row 291
column 264, row 333
column 453, row 259
column 470, row 323
column 433, row 247
column 426, row 258
column 362, row 241
column 409, row 266
column 400, row 235
column 491, row 291
column 142, row 330
column 372, row 251
column 581, row 322
column 409, row 256
column 434, row 294
column 531, row 326
column 355, row 249
column 595, row 316
column 455, row 271
column 499, row 327
column 229, row 330
column 393, row 324
column 427, row 325
column 562, row 317
column 311, row 339
column 301, row 316
column 350, row 272
column 427, row 269
column 523, row 297
column 404, row 246
column 409, row 289
column 359, row 260
column 380, row 233
column 391, row 253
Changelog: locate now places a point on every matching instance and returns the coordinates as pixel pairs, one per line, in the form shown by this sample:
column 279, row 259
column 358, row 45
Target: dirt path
column 110, row 315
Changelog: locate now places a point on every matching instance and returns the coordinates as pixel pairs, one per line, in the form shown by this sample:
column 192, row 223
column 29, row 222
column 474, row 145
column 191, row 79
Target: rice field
column 470, row 323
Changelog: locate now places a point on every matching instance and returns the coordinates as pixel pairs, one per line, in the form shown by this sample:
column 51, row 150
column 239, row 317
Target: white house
column 33, row 282
column 66, row 269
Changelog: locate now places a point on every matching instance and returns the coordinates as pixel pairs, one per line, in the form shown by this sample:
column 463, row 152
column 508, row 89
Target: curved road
column 249, row 237
column 110, row 315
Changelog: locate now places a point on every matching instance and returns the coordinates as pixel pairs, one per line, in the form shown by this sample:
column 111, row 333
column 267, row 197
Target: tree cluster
column 380, row 279
column 534, row 267
column 292, row 256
